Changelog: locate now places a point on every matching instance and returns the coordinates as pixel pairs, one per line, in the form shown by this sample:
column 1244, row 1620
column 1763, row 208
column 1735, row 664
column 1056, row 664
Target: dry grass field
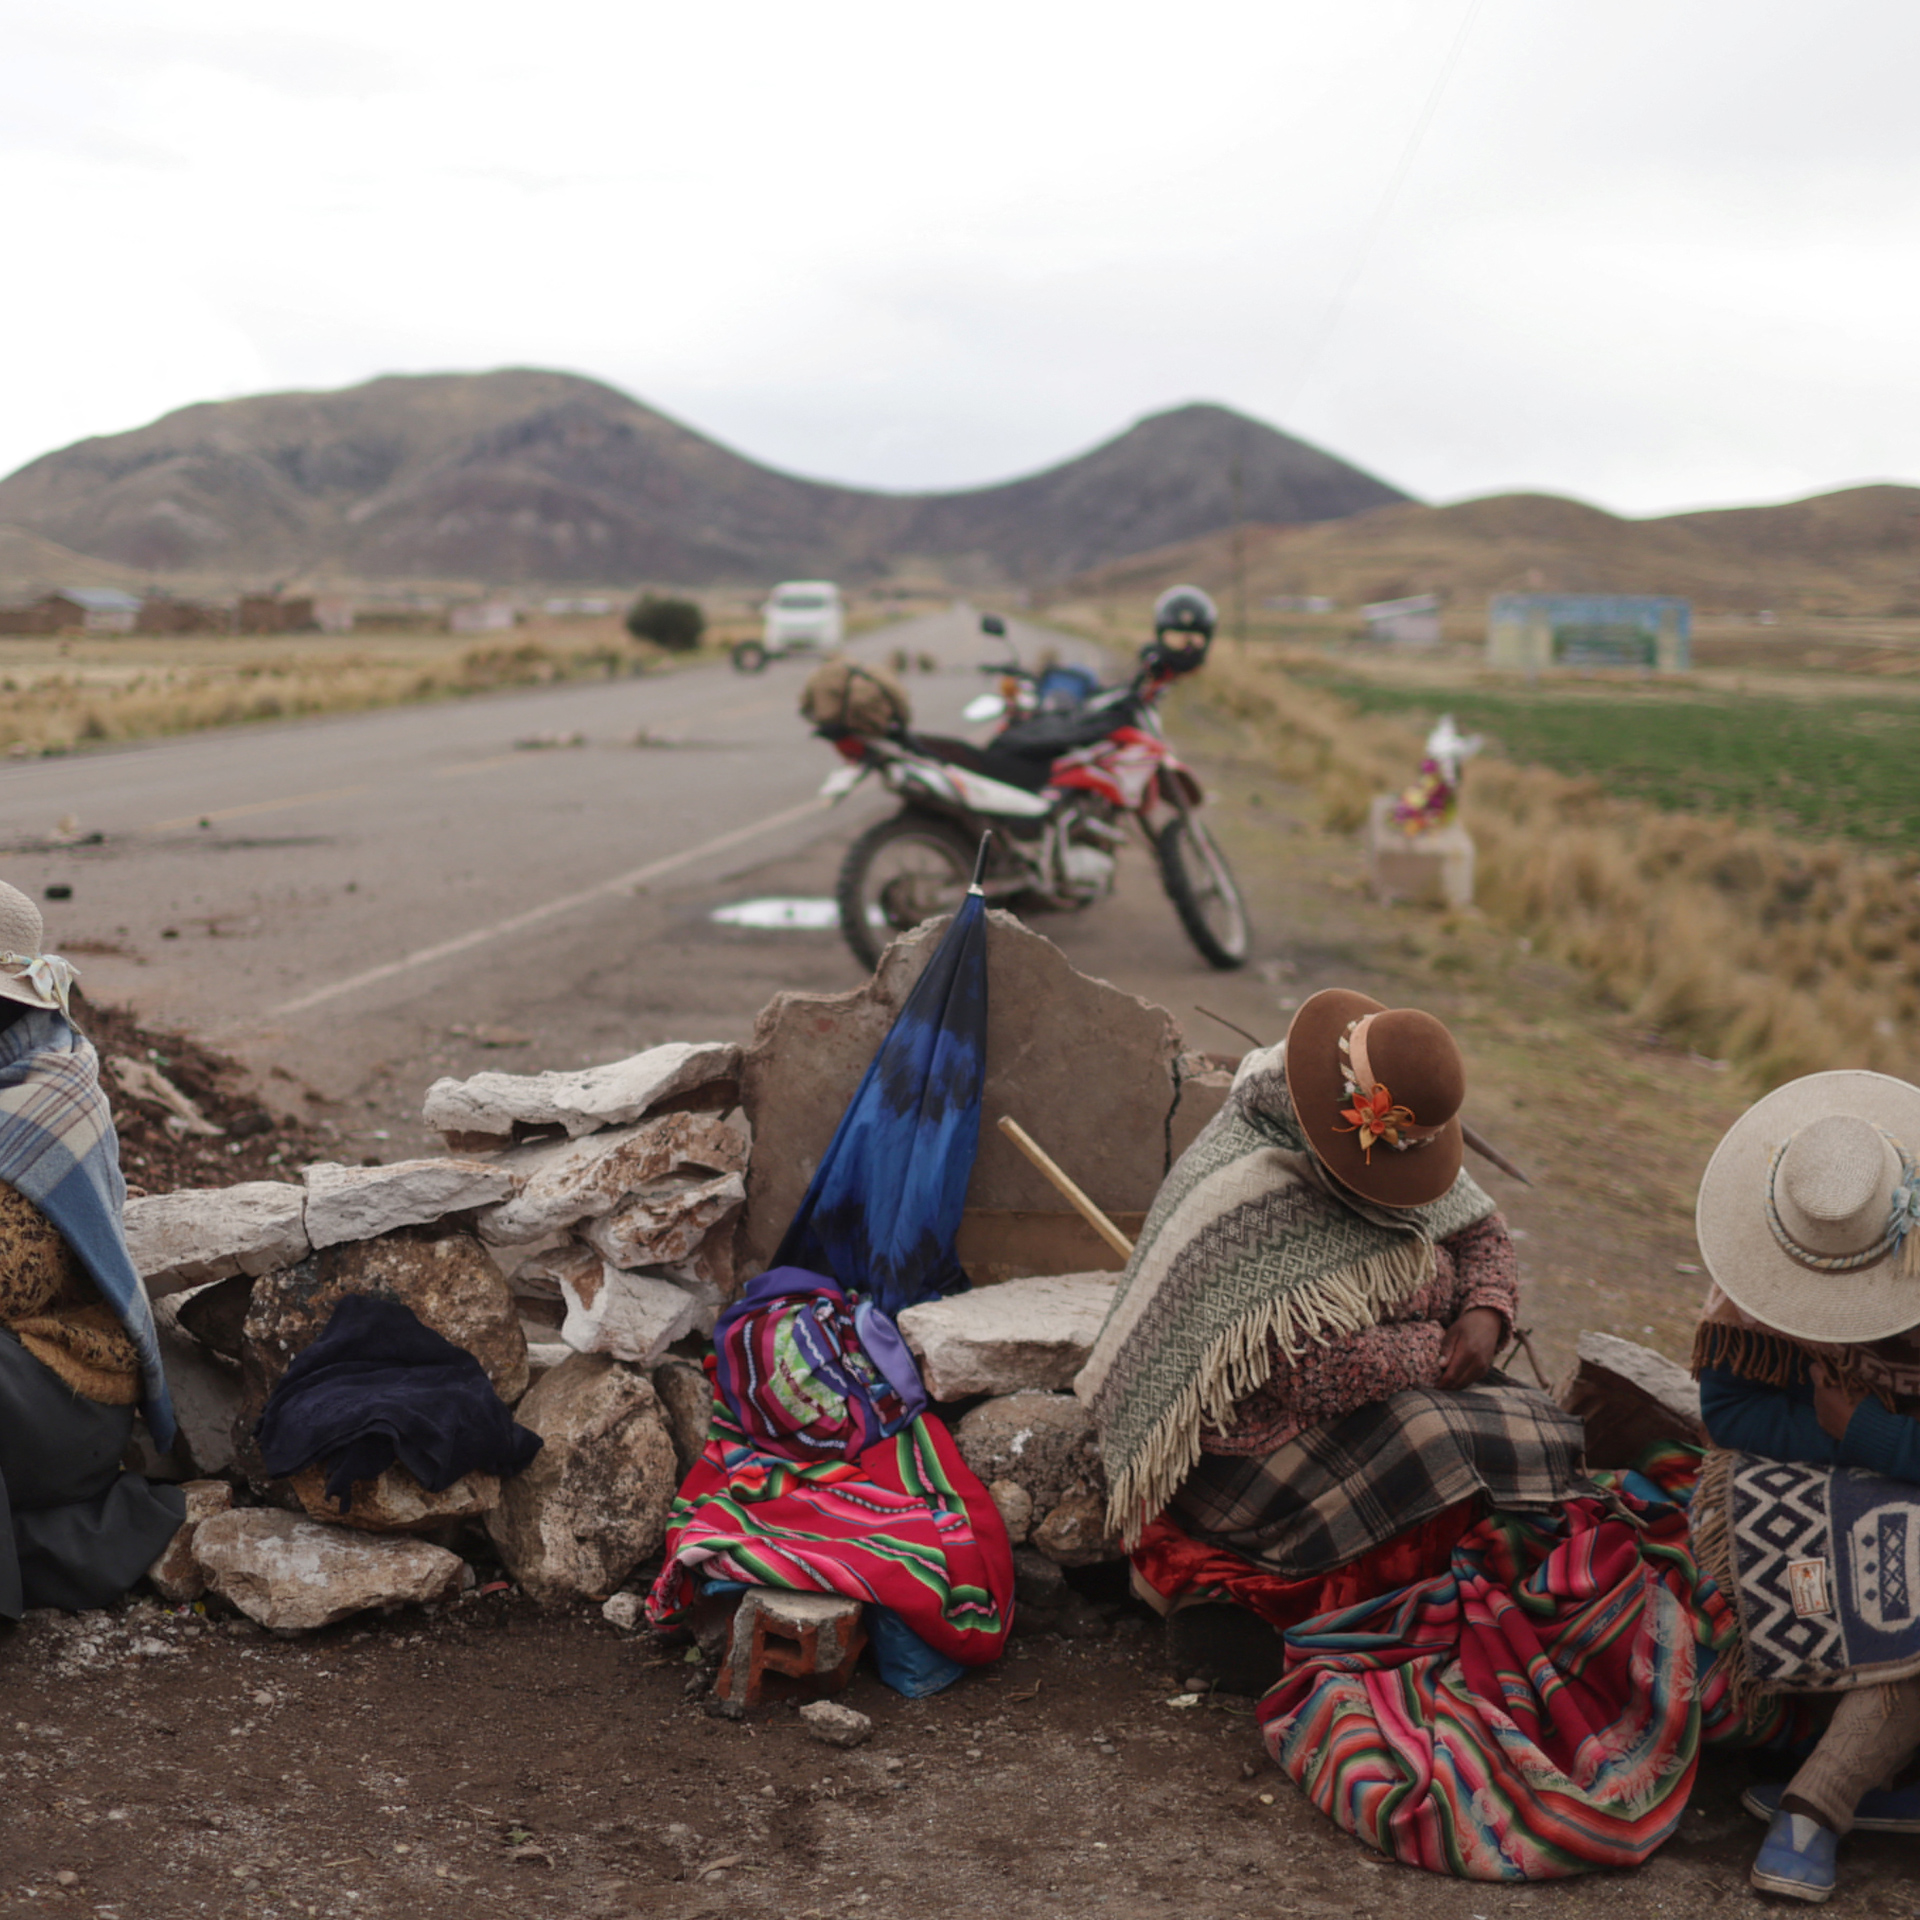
column 1732, row 857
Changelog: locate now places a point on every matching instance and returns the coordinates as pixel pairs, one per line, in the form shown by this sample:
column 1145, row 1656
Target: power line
column 1381, row 213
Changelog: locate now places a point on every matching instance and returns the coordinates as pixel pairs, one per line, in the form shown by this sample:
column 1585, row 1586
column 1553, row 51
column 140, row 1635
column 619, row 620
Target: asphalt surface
column 364, row 902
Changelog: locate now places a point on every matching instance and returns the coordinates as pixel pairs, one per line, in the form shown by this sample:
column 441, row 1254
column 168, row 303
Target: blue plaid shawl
column 58, row 1147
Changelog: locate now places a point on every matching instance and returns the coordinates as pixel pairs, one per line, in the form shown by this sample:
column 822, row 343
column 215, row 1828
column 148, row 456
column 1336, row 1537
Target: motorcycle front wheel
column 898, row 873
column 1203, row 890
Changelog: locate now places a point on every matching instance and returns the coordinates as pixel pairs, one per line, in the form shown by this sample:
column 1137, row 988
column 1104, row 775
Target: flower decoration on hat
column 1374, row 1116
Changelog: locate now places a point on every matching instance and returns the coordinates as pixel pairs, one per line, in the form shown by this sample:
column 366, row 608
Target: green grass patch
column 1844, row 768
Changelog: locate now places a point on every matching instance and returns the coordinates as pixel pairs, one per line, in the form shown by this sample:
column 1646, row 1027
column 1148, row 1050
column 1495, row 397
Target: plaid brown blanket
column 1344, row 1488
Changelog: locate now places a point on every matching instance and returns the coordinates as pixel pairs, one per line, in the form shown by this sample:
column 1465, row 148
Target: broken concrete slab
column 1034, row 1332
column 783, row 1640
column 1205, row 1081
column 660, row 1226
column 361, row 1203
column 1629, row 1398
column 594, row 1502
column 561, row 1183
column 181, row 1240
column 206, row 1391
column 447, row 1280
column 632, row 1316
column 176, row 1574
column 1043, row 1442
column 1088, row 1069
column 503, row 1106
column 395, row 1502
column 290, row 1573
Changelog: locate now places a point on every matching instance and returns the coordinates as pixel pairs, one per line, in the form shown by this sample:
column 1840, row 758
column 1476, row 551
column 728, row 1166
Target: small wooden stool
column 810, row 1639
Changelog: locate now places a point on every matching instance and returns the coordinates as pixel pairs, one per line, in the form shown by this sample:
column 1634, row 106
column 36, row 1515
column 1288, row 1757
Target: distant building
column 1532, row 632
column 96, row 609
column 1413, row 622
column 333, row 613
column 160, row 614
column 578, row 608
column 1298, row 603
column 274, row 613
column 481, row 616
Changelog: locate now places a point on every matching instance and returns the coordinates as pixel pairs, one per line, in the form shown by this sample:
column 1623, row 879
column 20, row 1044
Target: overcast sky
column 1654, row 253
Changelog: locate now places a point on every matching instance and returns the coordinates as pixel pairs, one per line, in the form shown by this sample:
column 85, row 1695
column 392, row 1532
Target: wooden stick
column 1478, row 1141
column 1074, row 1198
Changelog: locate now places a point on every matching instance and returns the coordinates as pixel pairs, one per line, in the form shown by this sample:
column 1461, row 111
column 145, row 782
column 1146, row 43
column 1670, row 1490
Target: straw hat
column 1805, row 1208
column 1378, row 1092
column 27, row 975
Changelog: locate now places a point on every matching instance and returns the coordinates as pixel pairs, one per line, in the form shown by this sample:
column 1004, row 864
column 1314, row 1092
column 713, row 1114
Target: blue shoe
column 1796, row 1859
column 1882, row 1811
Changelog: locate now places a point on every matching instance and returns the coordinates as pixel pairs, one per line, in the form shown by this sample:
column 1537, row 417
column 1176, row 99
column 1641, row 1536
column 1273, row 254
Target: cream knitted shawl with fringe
column 1249, row 1237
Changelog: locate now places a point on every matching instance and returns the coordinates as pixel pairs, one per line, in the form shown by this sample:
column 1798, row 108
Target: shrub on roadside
column 675, row 625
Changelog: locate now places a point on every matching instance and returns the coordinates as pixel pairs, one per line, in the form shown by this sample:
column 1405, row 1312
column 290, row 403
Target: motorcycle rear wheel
column 900, row 872
column 749, row 656
column 1204, row 892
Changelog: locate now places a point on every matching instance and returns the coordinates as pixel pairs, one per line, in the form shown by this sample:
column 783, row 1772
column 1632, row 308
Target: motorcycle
column 1060, row 784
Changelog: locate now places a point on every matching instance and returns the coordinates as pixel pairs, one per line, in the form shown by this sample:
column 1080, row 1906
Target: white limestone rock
column 660, row 1226
column 362, row 1203
column 206, row 1391
column 584, row 1102
column 837, row 1726
column 632, row 1316
column 290, row 1573
column 1019, row 1334
column 560, row 1183
column 182, row 1240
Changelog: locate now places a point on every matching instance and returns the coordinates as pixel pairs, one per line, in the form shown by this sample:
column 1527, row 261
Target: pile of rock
column 602, row 1201
column 584, row 1224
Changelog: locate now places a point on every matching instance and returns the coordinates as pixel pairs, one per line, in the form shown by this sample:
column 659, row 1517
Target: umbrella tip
column 980, row 864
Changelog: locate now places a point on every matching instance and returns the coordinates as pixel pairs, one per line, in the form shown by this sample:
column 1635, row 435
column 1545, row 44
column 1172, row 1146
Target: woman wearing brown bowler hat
column 1808, row 1507
column 1299, row 1362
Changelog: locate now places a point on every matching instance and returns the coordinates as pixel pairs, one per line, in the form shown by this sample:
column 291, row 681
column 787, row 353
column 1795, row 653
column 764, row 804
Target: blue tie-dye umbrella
column 883, row 1212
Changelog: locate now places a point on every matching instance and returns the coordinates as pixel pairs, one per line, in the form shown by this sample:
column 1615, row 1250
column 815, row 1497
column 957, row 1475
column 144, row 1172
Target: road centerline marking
column 548, row 910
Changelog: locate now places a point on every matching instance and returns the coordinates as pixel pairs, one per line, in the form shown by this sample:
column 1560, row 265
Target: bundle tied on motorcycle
column 849, row 696
column 1250, row 1244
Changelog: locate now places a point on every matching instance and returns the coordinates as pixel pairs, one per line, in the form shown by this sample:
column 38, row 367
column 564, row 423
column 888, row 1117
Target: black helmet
column 1185, row 610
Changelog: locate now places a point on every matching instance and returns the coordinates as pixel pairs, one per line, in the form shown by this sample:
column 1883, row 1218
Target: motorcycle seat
column 1051, row 734
column 1029, row 772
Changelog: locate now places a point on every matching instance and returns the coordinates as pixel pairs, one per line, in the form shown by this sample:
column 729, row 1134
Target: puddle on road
column 807, row 916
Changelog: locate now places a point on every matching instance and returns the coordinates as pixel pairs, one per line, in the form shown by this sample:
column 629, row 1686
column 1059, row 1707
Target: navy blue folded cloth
column 376, row 1387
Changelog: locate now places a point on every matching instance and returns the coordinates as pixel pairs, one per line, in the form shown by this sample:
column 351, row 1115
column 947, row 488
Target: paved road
column 343, row 897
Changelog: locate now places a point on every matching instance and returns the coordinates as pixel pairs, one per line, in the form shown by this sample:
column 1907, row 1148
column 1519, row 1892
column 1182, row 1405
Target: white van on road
column 799, row 616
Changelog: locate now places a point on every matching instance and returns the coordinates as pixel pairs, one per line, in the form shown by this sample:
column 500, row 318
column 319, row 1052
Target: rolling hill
column 530, row 476
column 1854, row 551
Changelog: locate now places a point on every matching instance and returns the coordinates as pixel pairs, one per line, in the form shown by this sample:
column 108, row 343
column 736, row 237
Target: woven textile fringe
column 1710, row 1534
column 1241, row 1360
column 1772, row 1359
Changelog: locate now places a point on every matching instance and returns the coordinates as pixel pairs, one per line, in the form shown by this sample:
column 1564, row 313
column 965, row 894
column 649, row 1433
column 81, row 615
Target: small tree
column 675, row 625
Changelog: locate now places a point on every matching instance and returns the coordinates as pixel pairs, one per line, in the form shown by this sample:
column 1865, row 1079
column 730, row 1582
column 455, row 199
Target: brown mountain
column 1855, row 551
column 530, row 476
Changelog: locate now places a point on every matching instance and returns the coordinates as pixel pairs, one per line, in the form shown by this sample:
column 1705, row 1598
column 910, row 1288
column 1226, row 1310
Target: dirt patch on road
column 488, row 1759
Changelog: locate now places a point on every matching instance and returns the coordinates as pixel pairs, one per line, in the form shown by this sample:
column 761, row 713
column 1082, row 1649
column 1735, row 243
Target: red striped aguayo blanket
column 1536, row 1710
column 907, row 1525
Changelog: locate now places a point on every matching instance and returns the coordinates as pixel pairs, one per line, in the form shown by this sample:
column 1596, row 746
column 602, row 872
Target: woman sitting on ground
column 1298, row 1364
column 1808, row 1355
column 77, row 1345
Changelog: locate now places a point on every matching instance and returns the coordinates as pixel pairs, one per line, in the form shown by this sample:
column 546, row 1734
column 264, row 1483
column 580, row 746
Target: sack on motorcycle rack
column 846, row 696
